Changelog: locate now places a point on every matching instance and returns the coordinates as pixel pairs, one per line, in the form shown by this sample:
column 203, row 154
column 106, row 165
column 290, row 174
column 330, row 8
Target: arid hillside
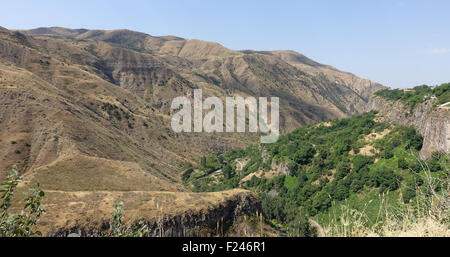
column 82, row 96
column 89, row 110
column 140, row 63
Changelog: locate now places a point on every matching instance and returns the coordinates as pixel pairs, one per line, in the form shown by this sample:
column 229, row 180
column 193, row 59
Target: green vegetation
column 424, row 210
column 347, row 162
column 119, row 229
column 24, row 223
column 417, row 95
column 116, row 112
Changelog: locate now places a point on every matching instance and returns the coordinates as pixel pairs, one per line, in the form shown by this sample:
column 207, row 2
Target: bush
column 287, row 212
column 119, row 229
column 408, row 194
column 273, row 208
column 360, row 162
column 402, row 163
column 421, row 94
column 228, row 171
column 300, row 227
column 304, row 154
column 433, row 163
column 385, row 179
column 24, row 223
column 321, row 201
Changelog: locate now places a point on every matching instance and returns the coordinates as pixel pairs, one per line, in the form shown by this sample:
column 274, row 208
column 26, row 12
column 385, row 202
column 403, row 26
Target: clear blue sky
column 400, row 43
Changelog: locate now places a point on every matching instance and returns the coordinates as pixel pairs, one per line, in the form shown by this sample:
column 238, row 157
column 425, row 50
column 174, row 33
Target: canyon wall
column 431, row 122
column 212, row 221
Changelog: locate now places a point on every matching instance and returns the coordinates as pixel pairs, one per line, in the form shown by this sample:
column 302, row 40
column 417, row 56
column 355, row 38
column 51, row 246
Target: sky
column 398, row 43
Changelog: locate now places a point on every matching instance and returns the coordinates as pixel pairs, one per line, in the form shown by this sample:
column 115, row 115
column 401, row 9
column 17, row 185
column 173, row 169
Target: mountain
column 313, row 91
column 89, row 110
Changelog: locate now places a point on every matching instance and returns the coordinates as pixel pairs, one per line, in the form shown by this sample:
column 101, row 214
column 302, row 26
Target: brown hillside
column 89, row 110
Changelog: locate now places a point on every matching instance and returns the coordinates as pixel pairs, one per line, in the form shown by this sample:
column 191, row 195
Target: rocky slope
column 310, row 91
column 72, row 94
column 89, row 110
column 431, row 122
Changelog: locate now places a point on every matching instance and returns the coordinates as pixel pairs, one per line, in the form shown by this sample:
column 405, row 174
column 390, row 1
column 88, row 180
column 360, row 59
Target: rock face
column 205, row 221
column 281, row 168
column 431, row 122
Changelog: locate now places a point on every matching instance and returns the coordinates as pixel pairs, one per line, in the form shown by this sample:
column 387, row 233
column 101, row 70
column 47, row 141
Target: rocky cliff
column 166, row 214
column 431, row 122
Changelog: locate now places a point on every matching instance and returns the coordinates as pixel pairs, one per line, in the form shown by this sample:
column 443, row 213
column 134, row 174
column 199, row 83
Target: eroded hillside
column 89, row 110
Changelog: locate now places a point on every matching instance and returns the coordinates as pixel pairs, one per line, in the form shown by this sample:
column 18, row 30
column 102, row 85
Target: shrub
column 119, row 229
column 402, row 163
column 385, row 179
column 300, row 227
column 24, row 223
column 304, row 154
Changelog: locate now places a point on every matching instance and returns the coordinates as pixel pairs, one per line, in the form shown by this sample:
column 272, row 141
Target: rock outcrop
column 175, row 215
column 431, row 122
column 281, row 168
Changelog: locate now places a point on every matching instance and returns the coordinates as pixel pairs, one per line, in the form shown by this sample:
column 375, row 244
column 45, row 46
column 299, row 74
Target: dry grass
column 85, row 173
column 406, row 223
column 367, row 150
column 91, row 209
column 375, row 136
column 427, row 216
column 249, row 177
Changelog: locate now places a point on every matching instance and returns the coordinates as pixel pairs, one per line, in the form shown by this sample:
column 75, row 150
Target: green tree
column 402, row 163
column 203, row 162
column 321, row 201
column 360, row 162
column 304, row 154
column 342, row 169
column 385, row 179
column 433, row 163
column 300, row 227
column 228, row 171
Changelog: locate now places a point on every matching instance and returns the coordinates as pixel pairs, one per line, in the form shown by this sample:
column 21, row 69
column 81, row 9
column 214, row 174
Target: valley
column 363, row 167
column 87, row 115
